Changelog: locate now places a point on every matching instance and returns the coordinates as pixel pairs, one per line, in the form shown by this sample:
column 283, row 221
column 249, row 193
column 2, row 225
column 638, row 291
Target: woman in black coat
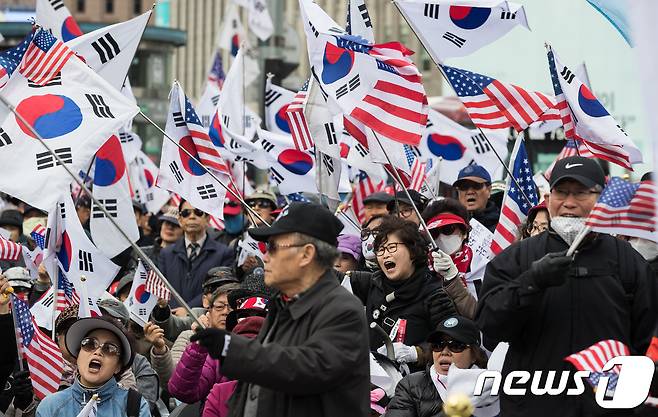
column 403, row 297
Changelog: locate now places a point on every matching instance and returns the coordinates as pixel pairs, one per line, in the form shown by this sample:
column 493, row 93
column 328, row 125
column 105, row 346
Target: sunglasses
column 186, row 213
column 91, row 344
column 260, row 204
column 453, row 346
column 445, row 230
column 468, row 185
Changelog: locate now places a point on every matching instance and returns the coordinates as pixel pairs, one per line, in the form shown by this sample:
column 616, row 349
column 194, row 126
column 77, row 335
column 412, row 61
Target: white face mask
column 647, row 248
column 368, row 248
column 450, row 244
column 568, row 227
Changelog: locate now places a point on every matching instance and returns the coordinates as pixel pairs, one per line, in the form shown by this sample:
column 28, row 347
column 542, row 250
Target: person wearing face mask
column 548, row 305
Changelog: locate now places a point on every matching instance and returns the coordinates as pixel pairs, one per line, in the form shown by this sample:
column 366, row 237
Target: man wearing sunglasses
column 548, row 305
column 186, row 262
column 474, row 189
column 311, row 355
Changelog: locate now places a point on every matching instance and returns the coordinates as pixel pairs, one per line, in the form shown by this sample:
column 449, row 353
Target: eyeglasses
column 91, row 344
column 186, row 213
column 453, row 346
column 471, row 185
column 580, row 195
column 273, row 247
column 405, row 212
column 366, row 233
column 260, row 204
column 540, row 227
column 220, row 307
column 389, row 247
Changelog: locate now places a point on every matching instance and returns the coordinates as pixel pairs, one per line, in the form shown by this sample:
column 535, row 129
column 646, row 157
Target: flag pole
column 102, row 207
column 19, row 348
column 213, row 176
column 397, row 178
column 578, row 240
column 438, row 65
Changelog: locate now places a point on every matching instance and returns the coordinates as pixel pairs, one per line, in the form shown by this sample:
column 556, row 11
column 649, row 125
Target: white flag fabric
column 260, row 21
column 276, row 101
column 91, row 408
column 112, row 190
column 109, row 51
column 181, row 174
column 75, row 112
column 291, row 170
column 143, row 173
column 232, row 33
column 54, row 16
column 131, row 144
column 454, row 28
column 358, row 20
column 140, row 302
column 360, row 158
column 250, row 247
column 236, row 148
column 208, row 103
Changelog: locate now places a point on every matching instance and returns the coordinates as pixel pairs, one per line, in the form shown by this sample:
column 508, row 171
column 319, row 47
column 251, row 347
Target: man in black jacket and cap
column 311, row 356
column 474, row 189
column 548, row 305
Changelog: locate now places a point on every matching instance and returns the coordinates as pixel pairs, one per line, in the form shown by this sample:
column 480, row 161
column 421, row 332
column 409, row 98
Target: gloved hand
column 443, row 265
column 214, row 340
column 550, row 270
column 23, row 393
column 403, row 353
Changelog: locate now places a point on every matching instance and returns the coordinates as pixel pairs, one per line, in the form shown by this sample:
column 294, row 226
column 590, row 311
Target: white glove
column 403, row 353
column 444, row 265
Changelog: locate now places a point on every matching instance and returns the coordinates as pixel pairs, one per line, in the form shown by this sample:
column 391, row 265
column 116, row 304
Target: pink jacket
column 217, row 403
column 195, row 375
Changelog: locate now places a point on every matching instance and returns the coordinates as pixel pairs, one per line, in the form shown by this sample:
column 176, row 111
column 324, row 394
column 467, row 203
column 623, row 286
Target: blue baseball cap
column 475, row 173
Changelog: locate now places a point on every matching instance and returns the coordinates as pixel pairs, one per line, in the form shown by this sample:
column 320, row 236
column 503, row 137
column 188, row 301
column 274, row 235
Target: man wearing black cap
column 375, row 204
column 473, row 187
column 548, row 305
column 401, row 206
column 311, row 356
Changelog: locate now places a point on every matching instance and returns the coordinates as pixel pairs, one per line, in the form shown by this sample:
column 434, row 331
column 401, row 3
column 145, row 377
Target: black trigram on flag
column 504, row 15
column 328, row 163
column 431, row 10
column 125, row 137
column 271, row 96
column 141, row 311
column 4, row 138
column 173, row 166
column 276, row 176
column 258, row 6
column 567, row 75
column 331, row 133
column 622, row 130
column 205, row 120
column 336, row 30
column 84, row 261
column 179, row 120
column 351, row 85
column 226, row 119
column 429, row 123
column 149, row 196
column 456, row 40
column 313, row 29
column 480, row 143
column 57, row 4
column 47, row 160
column 364, row 15
column 106, row 47
column 415, row 150
column 62, row 210
column 48, row 301
column 56, row 80
column 267, row 146
column 215, row 100
column 47, row 238
column 110, row 205
column 101, row 109
column 207, row 191
column 361, row 150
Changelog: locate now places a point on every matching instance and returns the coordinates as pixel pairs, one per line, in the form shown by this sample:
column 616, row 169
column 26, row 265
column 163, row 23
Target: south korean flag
column 140, row 302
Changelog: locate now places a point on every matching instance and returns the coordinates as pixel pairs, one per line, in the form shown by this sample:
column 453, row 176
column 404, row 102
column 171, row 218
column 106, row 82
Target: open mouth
column 568, row 215
column 471, row 200
column 389, row 265
column 95, row 365
column 445, row 363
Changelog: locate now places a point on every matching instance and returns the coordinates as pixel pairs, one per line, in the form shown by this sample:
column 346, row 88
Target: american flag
column 417, row 169
column 363, row 187
column 301, row 135
column 595, row 357
column 44, row 58
column 216, row 74
column 38, row 234
column 492, row 104
column 297, row 197
column 154, row 284
column 515, row 206
column 612, row 153
column 207, row 152
column 625, row 208
column 10, row 251
column 43, row 355
column 10, row 59
column 66, row 295
column 571, row 148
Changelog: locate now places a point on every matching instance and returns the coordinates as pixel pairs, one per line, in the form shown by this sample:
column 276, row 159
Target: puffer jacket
column 195, row 375
column 415, row 396
column 217, row 404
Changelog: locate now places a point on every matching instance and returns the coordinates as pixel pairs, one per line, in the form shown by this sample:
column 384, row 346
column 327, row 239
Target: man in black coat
column 311, row 356
column 548, row 305
column 186, row 262
column 474, row 189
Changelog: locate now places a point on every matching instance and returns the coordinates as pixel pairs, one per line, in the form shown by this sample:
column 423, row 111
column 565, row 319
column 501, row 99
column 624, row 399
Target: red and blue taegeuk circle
column 141, row 295
column 447, row 147
column 189, row 164
column 468, row 18
column 215, row 132
column 336, row 63
column 110, row 165
column 51, row 115
column 590, row 104
column 65, row 253
column 235, row 44
column 296, row 161
column 70, row 29
column 281, row 119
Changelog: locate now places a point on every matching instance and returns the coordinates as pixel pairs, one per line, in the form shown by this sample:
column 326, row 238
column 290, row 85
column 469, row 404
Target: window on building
column 109, row 6
column 137, row 6
column 80, row 6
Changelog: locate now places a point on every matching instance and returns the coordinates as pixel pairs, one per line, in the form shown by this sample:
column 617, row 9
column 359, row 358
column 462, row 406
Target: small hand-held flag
column 595, row 357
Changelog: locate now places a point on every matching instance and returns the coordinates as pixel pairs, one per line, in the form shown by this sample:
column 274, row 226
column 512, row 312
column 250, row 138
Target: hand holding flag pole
column 102, row 207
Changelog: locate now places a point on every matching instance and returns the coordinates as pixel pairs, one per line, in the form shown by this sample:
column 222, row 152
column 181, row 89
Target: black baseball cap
column 459, row 328
column 584, row 170
column 378, row 197
column 418, row 200
column 308, row 218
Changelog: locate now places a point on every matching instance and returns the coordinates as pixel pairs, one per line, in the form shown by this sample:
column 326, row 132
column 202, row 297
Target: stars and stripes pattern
column 207, row 152
column 595, row 357
column 515, row 206
column 417, row 169
column 38, row 234
column 10, row 59
column 492, row 104
column 10, row 251
column 363, row 187
column 571, row 148
column 44, row 58
column 155, row 286
column 216, row 74
column 301, row 134
column 625, row 208
column 611, row 153
column 66, row 295
column 43, row 356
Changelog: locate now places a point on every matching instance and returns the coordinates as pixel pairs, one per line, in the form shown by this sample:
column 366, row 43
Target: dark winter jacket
column 309, row 359
column 415, row 396
column 489, row 216
column 187, row 277
column 607, row 295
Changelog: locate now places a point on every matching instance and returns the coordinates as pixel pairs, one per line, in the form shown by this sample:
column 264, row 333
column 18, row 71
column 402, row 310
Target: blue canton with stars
column 554, row 77
column 594, row 378
column 522, row 171
column 618, row 193
column 44, row 40
column 467, row 83
column 10, row 58
column 65, row 285
column 39, row 239
column 23, row 319
column 409, row 154
column 190, row 114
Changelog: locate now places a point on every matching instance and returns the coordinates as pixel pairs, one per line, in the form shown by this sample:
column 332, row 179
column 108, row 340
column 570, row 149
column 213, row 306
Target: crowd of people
column 327, row 323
